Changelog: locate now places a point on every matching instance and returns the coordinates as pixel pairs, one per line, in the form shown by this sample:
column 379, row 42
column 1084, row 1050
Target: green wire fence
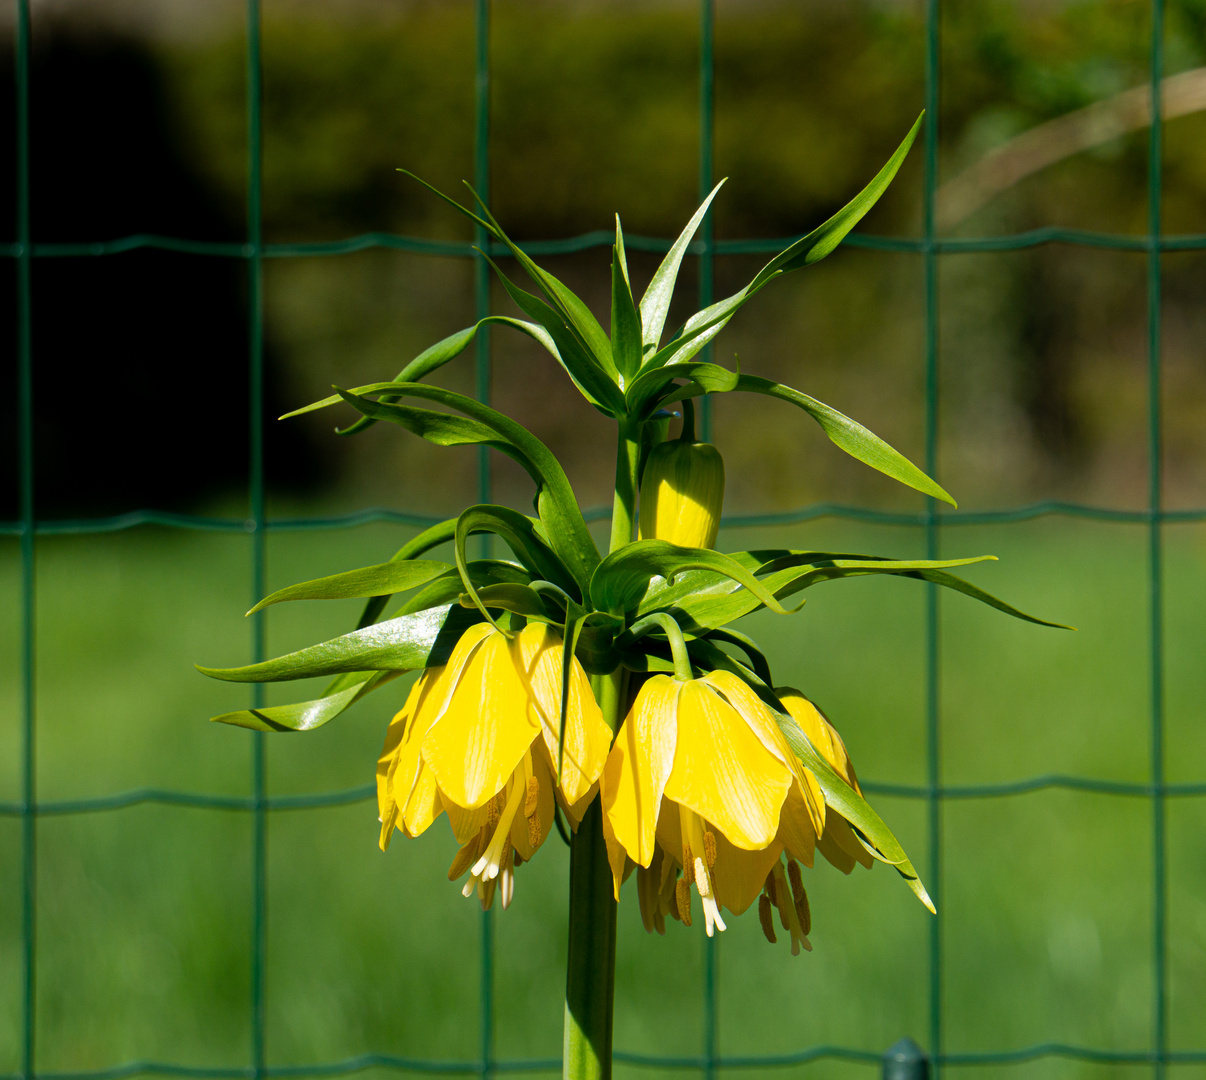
column 258, row 804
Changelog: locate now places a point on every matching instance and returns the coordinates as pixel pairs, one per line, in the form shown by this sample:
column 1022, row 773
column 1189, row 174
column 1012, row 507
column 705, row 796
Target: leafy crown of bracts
column 627, row 609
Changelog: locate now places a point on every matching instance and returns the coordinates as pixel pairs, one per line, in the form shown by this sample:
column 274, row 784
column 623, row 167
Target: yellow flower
column 837, row 842
column 682, row 492
column 701, row 778
column 477, row 738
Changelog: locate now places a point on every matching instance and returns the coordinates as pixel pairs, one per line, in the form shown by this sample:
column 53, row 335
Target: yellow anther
column 518, row 859
column 765, row 918
column 799, row 896
column 770, row 886
column 782, row 896
column 710, row 848
column 682, row 900
column 494, row 808
column 529, row 803
column 797, row 883
column 688, row 865
column 533, row 824
column 804, row 913
column 464, row 859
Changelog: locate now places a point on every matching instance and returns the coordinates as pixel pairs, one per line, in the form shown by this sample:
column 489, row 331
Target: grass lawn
column 144, row 913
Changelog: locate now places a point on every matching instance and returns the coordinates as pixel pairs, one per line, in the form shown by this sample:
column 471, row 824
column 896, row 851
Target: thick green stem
column 591, row 969
column 591, row 972
column 628, row 456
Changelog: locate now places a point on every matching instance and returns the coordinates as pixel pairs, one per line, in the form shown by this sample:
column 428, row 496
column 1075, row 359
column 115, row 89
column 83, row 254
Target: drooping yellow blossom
column 682, row 492
column 478, row 739
column 837, row 841
column 701, row 778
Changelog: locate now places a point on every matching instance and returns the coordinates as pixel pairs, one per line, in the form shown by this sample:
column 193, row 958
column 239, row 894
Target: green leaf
column 577, row 315
column 509, row 596
column 449, row 588
column 656, row 302
column 704, row 325
column 852, row 806
column 308, row 715
column 401, row 644
column 592, row 381
column 436, row 356
column 846, row 434
column 382, row 580
column 559, row 510
column 625, row 321
column 625, row 576
column 520, row 535
column 429, row 538
column 702, row 600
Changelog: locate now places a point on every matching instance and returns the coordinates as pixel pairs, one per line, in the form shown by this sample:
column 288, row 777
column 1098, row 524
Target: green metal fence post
column 906, row 1061
column 1155, row 549
column 255, row 525
column 933, row 672
column 29, row 780
column 482, row 372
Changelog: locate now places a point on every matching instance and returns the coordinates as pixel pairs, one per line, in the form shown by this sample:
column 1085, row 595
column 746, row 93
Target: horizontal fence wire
column 935, row 793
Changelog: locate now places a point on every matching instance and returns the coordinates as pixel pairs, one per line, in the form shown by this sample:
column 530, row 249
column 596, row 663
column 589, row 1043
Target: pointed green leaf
column 626, row 575
column 381, row 580
column 588, row 376
column 625, row 321
column 646, row 395
column 567, row 531
column 431, row 537
column 655, row 304
column 704, row 325
column 401, row 644
column 308, row 715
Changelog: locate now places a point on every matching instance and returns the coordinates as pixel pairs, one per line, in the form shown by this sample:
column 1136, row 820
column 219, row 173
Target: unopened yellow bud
column 682, row 492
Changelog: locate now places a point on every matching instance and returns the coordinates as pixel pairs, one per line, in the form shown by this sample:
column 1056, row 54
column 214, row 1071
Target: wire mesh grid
column 253, row 251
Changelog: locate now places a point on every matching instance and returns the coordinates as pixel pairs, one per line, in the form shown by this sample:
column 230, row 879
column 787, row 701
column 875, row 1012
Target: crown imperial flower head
column 701, row 779
column 478, row 739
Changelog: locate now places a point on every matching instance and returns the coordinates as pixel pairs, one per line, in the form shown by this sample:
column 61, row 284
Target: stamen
column 529, row 803
column 517, row 859
column 710, row 848
column 712, row 914
column 494, row 810
column 682, row 900
column 702, row 881
column 782, row 896
column 465, row 857
column 799, row 897
column 533, row 826
column 490, row 863
column 688, row 865
column 766, row 919
column 770, row 887
column 507, row 878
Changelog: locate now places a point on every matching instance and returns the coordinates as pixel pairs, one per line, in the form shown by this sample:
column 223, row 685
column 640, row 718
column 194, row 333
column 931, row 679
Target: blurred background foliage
column 141, row 401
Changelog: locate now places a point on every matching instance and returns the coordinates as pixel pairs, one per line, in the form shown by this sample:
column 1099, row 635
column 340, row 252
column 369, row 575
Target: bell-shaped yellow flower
column 682, row 493
column 478, row 739
column 697, row 779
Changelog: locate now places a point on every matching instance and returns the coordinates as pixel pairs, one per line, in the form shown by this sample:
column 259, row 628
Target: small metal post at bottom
column 906, row 1061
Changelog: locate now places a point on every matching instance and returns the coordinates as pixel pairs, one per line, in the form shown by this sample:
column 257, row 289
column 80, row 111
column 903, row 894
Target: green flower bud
column 682, row 492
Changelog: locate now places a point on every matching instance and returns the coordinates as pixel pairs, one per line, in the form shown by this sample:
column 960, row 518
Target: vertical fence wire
column 933, row 671
column 29, row 834
column 1155, row 548
column 255, row 525
column 707, row 103
column 482, row 374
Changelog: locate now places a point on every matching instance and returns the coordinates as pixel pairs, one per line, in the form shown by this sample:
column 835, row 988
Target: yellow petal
column 524, row 828
column 762, row 722
column 424, row 805
column 387, row 807
column 796, row 827
column 587, row 736
column 638, row 766
column 738, row 875
column 616, row 856
column 474, row 747
column 723, row 771
column 821, row 733
column 466, row 824
column 838, row 829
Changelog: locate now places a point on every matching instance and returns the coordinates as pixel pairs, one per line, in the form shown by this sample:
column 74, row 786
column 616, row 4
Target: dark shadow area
column 140, row 359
